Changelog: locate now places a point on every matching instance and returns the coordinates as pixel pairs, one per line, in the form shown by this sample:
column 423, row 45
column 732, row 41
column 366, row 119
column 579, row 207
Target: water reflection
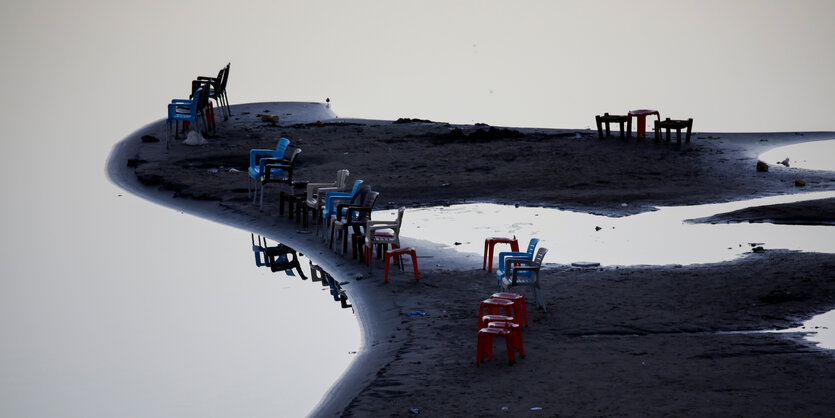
column 278, row 257
column 281, row 258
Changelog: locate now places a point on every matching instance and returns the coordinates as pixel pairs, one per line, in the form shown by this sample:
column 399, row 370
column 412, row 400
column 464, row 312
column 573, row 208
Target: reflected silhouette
column 283, row 258
column 278, row 257
column 318, row 274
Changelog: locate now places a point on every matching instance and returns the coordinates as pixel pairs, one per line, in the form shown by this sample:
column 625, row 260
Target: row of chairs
column 198, row 108
column 339, row 211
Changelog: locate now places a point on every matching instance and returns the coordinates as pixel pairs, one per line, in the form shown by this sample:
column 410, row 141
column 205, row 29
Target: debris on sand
column 762, row 166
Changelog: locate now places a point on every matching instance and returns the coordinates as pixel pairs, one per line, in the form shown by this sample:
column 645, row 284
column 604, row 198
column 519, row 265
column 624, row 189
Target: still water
column 117, row 306
column 659, row 237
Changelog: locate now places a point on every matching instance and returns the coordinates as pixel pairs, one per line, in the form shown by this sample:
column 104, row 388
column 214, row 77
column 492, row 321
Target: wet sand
column 615, row 341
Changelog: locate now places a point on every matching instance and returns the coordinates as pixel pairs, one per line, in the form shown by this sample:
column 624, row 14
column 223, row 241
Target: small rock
column 785, row 162
column 149, row 138
column 597, row 228
column 799, row 183
column 762, row 166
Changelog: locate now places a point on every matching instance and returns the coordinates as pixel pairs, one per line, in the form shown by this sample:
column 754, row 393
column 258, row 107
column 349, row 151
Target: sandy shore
column 640, row 341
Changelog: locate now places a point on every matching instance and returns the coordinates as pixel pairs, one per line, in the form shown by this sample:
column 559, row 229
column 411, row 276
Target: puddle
column 662, row 237
column 815, row 155
column 820, row 329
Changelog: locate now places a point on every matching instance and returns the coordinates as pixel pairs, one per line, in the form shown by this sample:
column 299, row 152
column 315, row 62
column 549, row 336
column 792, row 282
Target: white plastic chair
column 373, row 239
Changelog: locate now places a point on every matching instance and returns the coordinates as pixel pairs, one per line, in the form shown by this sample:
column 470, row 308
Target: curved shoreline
column 379, row 313
column 369, row 315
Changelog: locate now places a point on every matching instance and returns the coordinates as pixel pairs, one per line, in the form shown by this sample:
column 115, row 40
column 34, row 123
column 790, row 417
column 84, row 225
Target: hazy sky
column 731, row 65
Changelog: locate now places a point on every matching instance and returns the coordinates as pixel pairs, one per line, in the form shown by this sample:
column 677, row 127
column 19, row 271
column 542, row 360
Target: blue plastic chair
column 522, row 271
column 256, row 169
column 332, row 198
column 187, row 110
column 527, row 255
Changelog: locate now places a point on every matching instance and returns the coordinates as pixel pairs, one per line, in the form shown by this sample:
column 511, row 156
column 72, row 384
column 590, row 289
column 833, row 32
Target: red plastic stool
column 491, row 242
column 641, row 114
column 486, row 319
column 495, row 306
column 397, row 253
column 515, row 333
column 484, row 346
column 519, row 305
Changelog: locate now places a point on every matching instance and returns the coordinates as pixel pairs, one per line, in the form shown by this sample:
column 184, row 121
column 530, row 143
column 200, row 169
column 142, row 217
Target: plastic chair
column 352, row 216
column 315, row 198
column 218, row 89
column 331, row 200
column 255, row 156
column 525, row 273
column 527, row 254
column 276, row 257
column 274, row 170
column 390, row 237
column 186, row 110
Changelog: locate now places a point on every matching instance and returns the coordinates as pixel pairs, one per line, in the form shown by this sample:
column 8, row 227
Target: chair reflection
column 280, row 257
column 318, row 274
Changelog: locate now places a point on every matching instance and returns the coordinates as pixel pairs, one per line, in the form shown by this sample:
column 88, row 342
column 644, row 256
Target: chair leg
column 414, row 265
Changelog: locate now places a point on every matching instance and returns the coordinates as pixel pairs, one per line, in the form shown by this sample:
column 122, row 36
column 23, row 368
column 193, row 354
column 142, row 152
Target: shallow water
column 660, row 237
column 814, row 155
column 130, row 308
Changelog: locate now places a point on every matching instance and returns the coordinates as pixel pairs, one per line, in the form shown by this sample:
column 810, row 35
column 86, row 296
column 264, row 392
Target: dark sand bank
column 615, row 341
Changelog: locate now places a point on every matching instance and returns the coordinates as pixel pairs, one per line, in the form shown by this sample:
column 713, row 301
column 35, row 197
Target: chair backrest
column 223, row 78
column 368, row 201
column 294, row 155
column 342, row 178
column 356, row 188
column 539, row 256
column 203, row 97
column 399, row 220
column 532, row 246
column 358, row 197
column 195, row 100
column 281, row 147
